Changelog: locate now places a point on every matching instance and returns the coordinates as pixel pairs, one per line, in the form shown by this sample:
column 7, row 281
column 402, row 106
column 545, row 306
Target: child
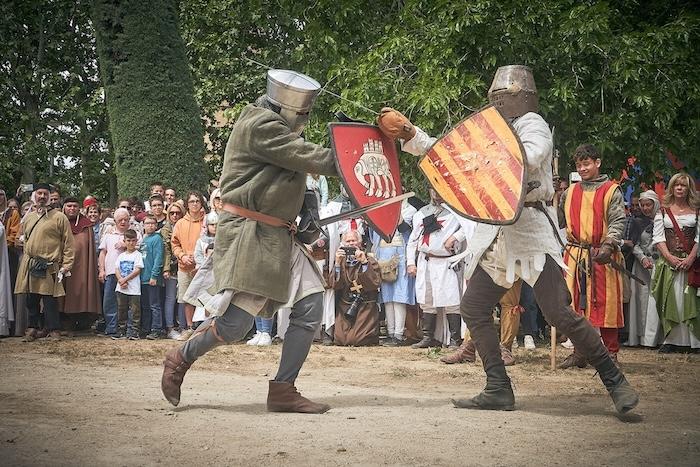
column 202, row 249
column 128, row 269
column 151, row 275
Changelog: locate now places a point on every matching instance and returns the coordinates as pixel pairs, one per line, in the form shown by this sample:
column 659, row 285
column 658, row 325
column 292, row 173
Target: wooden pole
column 553, row 330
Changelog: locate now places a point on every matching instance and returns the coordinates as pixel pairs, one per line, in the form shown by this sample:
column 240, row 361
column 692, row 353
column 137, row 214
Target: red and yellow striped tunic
column 586, row 228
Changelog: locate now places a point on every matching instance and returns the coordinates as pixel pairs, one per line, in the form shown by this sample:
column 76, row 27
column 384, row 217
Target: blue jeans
column 109, row 304
column 170, row 302
column 151, row 294
column 263, row 324
column 528, row 320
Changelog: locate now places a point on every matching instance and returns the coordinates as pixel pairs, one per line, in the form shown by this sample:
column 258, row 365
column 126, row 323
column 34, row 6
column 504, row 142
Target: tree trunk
column 154, row 119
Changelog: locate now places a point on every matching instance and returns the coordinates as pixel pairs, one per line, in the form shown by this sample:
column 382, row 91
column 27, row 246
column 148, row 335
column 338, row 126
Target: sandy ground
column 93, row 401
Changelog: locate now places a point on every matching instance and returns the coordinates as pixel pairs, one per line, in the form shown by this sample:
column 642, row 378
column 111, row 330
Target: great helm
column 513, row 91
column 294, row 93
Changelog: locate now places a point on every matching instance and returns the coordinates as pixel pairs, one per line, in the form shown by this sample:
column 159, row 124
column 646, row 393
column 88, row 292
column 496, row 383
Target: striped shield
column 479, row 169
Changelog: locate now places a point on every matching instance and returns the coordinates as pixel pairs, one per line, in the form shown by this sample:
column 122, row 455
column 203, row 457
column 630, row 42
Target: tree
column 154, row 119
column 52, row 125
column 618, row 74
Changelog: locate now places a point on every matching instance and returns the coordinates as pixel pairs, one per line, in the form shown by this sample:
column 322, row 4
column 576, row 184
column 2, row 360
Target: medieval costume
column 357, row 313
column 677, row 303
column 335, row 231
column 48, row 254
column 258, row 264
column 438, row 286
column 595, row 213
column 527, row 249
column 83, row 300
column 396, row 294
column 643, row 324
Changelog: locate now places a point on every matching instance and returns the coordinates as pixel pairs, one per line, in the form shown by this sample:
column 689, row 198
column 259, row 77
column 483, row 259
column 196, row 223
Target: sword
column 613, row 264
column 618, row 267
column 357, row 212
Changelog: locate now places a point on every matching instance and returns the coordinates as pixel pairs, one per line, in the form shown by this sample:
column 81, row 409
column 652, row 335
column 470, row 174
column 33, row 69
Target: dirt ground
column 93, row 401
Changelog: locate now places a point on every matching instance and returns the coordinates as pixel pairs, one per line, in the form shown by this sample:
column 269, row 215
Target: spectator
column 170, row 197
column 138, row 211
column 643, row 327
column 677, row 303
column 55, row 197
column 111, row 246
column 92, row 212
column 175, row 213
column 434, row 238
column 529, row 316
column 152, row 249
column 185, row 235
column 319, row 185
column 27, row 206
column 202, row 250
column 510, row 321
column 157, row 206
column 127, row 270
column 356, row 285
column 395, row 295
column 83, row 298
column 48, row 256
column 215, row 202
column 9, row 216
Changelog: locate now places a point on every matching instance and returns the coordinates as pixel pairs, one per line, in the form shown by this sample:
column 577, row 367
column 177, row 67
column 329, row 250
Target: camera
column 351, row 313
column 349, row 254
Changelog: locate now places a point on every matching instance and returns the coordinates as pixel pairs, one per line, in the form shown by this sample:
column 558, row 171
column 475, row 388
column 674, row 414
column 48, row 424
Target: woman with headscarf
column 675, row 230
column 643, row 323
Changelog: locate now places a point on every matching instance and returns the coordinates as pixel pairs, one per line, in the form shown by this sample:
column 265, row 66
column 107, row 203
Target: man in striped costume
column 595, row 219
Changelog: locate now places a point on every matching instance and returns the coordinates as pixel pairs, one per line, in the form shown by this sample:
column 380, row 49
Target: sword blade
column 371, row 207
column 617, row 266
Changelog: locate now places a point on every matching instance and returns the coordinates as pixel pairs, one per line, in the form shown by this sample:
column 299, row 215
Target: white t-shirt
column 126, row 264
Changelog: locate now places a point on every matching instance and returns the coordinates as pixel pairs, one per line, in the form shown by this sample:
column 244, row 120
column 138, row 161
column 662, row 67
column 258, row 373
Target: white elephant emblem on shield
column 373, row 172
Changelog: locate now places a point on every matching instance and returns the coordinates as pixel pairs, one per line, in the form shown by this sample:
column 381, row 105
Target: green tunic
column 265, row 167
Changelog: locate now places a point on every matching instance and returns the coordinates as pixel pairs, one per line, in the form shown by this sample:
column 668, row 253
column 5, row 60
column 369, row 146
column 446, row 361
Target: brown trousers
column 554, row 300
column 510, row 315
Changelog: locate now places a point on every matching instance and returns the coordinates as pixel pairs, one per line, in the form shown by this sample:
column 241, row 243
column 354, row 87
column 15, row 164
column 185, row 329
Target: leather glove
column 604, row 254
column 395, row 125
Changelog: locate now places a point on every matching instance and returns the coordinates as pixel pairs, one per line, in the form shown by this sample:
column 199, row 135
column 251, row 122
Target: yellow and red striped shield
column 479, row 168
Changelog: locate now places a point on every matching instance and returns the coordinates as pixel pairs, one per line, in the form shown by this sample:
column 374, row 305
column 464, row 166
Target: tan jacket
column 185, row 235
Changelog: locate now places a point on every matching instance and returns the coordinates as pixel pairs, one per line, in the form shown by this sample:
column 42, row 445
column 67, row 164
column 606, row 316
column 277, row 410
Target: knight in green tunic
column 258, row 265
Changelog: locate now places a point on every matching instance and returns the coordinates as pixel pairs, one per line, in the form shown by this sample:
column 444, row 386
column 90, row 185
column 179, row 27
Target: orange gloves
column 395, row 125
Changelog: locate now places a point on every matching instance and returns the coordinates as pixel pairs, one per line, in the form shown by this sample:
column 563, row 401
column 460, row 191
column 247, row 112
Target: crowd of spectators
column 124, row 272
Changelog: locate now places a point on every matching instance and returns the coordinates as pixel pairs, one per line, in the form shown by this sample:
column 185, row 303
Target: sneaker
column 255, row 339
column 174, row 335
column 529, row 342
column 134, row 336
column 118, row 336
column 185, row 335
column 568, row 344
column 153, row 335
column 265, row 339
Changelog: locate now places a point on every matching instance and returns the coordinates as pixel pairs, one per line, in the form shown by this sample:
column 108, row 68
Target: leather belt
column 430, row 255
column 535, row 204
column 260, row 217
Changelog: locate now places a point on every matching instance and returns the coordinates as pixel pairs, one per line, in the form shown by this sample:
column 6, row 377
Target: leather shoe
column 284, row 397
column 465, row 353
column 573, row 360
column 174, row 369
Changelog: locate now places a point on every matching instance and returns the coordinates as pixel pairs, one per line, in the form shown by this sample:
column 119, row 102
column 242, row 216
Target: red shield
column 368, row 164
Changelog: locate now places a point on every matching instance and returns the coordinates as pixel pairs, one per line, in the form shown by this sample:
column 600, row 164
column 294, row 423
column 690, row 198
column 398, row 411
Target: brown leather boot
column 284, row 397
column 507, row 356
column 464, row 353
column 174, row 369
column 575, row 359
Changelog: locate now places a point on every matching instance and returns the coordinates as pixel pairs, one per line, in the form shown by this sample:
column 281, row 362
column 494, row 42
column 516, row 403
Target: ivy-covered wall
column 153, row 116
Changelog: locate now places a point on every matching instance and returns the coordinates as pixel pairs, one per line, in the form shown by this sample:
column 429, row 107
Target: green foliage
column 53, row 118
column 618, row 74
column 154, row 119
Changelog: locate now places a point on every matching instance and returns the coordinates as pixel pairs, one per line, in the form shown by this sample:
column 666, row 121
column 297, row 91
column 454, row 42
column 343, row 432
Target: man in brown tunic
column 357, row 281
column 83, row 302
column 48, row 256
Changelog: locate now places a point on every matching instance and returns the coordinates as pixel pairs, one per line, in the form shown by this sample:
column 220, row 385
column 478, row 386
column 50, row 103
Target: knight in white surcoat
column 527, row 249
column 435, row 238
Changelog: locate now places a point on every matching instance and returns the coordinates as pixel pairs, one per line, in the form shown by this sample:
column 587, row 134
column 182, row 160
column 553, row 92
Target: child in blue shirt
column 152, row 249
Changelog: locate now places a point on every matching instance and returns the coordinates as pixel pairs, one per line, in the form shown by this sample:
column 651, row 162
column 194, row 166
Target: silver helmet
column 513, row 91
column 294, row 93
